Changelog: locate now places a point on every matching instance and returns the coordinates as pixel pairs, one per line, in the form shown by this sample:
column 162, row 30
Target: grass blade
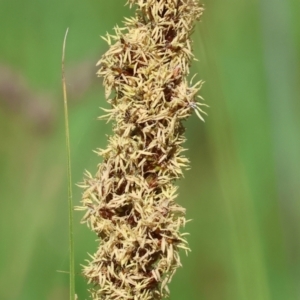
column 70, row 202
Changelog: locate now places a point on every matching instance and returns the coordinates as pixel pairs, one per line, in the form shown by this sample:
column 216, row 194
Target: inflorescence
column 130, row 203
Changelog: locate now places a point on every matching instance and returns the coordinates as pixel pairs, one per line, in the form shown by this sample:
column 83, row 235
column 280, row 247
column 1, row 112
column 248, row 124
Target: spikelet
column 130, row 203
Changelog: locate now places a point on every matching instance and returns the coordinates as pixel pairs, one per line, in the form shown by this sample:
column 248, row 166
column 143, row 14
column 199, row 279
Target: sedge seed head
column 130, row 202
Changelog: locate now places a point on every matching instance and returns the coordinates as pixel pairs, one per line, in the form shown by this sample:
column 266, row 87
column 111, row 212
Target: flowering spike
column 130, row 203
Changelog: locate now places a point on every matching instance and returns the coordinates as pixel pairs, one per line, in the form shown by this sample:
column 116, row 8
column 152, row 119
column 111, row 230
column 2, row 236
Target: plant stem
column 70, row 202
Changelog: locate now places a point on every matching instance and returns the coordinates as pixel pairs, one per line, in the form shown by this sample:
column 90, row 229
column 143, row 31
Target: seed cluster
column 130, row 202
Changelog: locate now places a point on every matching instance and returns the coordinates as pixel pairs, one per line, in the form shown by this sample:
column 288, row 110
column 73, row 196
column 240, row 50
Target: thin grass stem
column 70, row 202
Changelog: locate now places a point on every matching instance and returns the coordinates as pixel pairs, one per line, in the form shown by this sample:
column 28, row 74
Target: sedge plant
column 130, row 202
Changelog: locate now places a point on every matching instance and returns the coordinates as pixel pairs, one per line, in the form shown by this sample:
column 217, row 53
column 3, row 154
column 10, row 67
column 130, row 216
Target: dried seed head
column 130, row 203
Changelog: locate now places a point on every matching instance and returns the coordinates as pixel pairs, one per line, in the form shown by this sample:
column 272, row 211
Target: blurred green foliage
column 242, row 192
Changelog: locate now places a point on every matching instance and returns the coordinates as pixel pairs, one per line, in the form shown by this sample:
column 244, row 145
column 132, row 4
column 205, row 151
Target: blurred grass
column 242, row 192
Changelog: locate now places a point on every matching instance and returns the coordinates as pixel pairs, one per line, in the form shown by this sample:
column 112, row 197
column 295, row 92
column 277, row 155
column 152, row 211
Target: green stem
column 70, row 202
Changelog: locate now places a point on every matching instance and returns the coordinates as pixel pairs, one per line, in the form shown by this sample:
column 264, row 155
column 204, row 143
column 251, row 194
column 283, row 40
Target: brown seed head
column 130, row 203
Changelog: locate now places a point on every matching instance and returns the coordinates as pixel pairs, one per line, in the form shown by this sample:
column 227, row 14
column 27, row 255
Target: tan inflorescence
column 130, row 203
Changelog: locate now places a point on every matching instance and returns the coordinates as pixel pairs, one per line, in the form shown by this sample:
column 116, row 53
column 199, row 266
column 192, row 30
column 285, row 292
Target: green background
column 242, row 192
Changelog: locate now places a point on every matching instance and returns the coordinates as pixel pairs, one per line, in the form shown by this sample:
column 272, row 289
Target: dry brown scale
column 130, row 203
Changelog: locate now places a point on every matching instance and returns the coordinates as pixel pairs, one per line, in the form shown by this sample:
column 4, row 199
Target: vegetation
column 242, row 191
